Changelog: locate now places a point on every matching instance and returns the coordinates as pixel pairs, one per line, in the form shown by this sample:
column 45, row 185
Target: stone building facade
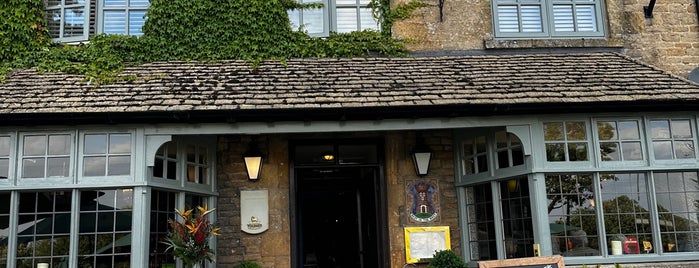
column 669, row 40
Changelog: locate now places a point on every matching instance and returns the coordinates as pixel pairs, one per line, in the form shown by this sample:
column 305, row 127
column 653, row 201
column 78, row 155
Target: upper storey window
column 76, row 20
column 547, row 18
column 341, row 16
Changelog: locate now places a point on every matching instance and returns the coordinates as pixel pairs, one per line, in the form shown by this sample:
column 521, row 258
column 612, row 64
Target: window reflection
column 572, row 218
column 480, row 222
column 566, row 141
column 107, row 154
column 626, row 211
column 677, row 196
column 43, row 228
column 104, row 229
column 673, row 139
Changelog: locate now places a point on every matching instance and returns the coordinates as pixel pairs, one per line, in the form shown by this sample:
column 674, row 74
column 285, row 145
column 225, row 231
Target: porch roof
column 400, row 87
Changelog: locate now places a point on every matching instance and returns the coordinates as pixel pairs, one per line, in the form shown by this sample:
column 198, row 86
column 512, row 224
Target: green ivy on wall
column 252, row 30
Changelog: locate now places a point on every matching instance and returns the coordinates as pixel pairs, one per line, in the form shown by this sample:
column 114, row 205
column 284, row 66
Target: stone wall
column 272, row 249
column 669, row 41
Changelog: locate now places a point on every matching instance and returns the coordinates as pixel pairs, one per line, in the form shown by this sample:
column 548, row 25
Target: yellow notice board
column 422, row 242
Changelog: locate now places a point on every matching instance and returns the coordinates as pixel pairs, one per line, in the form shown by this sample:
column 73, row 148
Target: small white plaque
column 254, row 211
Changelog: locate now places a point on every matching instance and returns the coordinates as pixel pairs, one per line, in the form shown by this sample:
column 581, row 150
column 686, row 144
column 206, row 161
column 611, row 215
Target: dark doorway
column 339, row 213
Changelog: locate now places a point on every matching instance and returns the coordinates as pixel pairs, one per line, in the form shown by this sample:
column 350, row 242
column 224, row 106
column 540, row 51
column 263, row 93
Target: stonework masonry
column 272, row 249
column 669, row 40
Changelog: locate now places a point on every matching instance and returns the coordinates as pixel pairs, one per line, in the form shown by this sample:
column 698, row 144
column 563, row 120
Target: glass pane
column 59, row 144
column 677, row 194
column 346, row 2
column 119, row 165
column 480, row 144
column 355, row 154
column 136, row 21
column 577, row 152
column 119, row 143
column 555, row 152
column 74, row 22
column 517, row 156
column 632, row 150
column 508, row 19
column 531, row 19
column 4, row 168
column 58, row 167
column 346, row 20
column 684, row 149
column 52, row 3
column 662, row 149
column 114, row 3
column 501, row 139
column 4, row 146
column 191, row 153
column 681, row 129
column 172, row 150
column 114, row 22
column 33, row 168
column 94, row 166
column 503, row 159
column 563, row 18
column 171, row 170
column 606, row 130
column 626, row 209
column 95, row 144
column 585, row 17
column 468, row 148
column 313, row 20
column 139, row 3
column 576, row 131
column 34, row 145
column 660, row 129
column 628, row 130
column 367, row 20
column 53, row 21
column 202, row 155
column 553, row 131
column 609, row 151
column 294, row 18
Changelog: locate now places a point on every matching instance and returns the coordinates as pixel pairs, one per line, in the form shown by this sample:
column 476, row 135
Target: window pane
column 553, row 131
column 662, row 149
column 480, row 144
column 4, row 146
column 555, row 152
column 628, row 130
column 626, row 211
column 53, row 21
column 33, row 168
column 660, row 129
column 139, row 3
column 313, row 20
column 59, row 144
column 346, row 20
column 563, row 18
column 112, row 3
column 586, row 18
column 684, row 149
column 74, row 22
column 531, row 19
column 577, row 152
column 367, row 20
column 632, row 150
column 115, row 22
column 479, row 219
column 136, row 21
column 609, row 151
column 681, row 129
column 58, row 167
column 95, row 144
column 119, row 143
column 503, row 159
column 677, row 195
column 4, row 168
column 294, row 18
column 576, row 131
column 606, row 130
column 346, row 2
column 94, row 166
column 572, row 219
column 508, row 19
column 119, row 165
column 34, row 145
column 43, row 227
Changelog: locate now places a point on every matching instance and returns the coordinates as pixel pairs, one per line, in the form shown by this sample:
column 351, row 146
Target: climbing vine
column 206, row 30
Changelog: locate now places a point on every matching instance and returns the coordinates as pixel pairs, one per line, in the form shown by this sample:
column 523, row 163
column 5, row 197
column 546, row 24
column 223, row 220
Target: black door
column 338, row 217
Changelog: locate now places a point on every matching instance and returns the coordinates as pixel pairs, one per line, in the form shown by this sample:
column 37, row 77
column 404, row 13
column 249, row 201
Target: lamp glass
column 422, row 162
column 253, row 164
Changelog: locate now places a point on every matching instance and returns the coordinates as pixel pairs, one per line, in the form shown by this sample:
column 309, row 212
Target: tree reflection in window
column 672, row 139
column 572, row 217
column 619, row 140
column 566, row 141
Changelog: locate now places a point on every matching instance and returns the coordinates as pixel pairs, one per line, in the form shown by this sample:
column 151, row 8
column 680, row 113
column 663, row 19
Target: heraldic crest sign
column 422, row 201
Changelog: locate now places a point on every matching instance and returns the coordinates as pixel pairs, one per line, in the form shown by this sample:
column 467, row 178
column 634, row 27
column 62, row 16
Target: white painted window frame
column 86, row 23
column 547, row 21
column 101, row 8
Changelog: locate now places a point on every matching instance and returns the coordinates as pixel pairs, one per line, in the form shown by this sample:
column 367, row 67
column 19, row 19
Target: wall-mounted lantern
column 253, row 160
column 422, row 155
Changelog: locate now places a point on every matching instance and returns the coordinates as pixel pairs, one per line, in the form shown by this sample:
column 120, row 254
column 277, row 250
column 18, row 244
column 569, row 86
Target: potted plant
column 189, row 237
column 446, row 259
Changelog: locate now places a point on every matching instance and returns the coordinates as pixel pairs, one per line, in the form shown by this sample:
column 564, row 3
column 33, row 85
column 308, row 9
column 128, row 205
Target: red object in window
column 631, row 246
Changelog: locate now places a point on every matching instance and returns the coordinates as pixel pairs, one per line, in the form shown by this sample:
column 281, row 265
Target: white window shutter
column 585, row 17
column 508, row 19
column 531, row 19
column 563, row 18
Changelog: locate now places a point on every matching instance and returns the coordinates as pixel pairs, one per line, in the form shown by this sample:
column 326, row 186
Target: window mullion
column 654, row 215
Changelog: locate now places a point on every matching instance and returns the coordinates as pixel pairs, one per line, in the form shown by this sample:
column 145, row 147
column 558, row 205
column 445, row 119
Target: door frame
column 382, row 213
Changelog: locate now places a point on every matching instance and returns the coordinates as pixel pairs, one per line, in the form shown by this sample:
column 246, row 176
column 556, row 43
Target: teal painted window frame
column 330, row 17
column 61, row 8
column 546, row 16
column 127, row 8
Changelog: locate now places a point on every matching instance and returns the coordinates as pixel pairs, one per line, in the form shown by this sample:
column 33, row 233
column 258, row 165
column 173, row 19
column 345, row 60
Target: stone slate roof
column 351, row 84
